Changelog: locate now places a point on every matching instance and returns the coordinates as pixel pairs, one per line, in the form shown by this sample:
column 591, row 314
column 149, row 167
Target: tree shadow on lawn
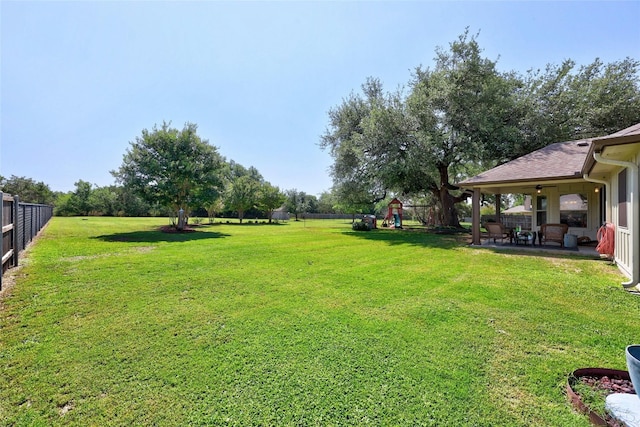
column 416, row 238
column 151, row 236
column 451, row 241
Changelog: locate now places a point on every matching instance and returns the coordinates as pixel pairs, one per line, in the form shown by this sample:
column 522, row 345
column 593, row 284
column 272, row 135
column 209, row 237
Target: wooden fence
column 308, row 215
column 509, row 220
column 21, row 223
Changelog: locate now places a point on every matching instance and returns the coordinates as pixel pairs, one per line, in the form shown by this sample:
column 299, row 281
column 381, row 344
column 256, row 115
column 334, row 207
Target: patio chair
column 496, row 230
column 553, row 233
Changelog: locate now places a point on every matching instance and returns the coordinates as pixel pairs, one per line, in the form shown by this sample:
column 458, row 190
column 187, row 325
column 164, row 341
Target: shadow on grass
column 251, row 224
column 448, row 241
column 150, row 236
column 412, row 237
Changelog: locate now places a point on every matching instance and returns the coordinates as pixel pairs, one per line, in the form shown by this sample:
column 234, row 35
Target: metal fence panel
column 28, row 225
column 21, row 223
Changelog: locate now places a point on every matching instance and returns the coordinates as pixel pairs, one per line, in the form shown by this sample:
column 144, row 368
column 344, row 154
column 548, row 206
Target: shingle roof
column 625, row 136
column 630, row 131
column 561, row 160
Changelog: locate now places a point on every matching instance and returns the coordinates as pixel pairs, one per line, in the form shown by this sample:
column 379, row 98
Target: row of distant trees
column 116, row 200
column 175, row 173
column 183, row 173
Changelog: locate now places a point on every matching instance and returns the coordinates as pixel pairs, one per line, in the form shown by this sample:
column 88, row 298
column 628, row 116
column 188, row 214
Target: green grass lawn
column 111, row 322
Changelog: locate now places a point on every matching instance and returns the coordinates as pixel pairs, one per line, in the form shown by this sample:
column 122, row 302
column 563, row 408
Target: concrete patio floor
column 581, row 250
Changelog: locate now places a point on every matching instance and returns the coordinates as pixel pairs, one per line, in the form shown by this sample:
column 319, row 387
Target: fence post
column 16, row 225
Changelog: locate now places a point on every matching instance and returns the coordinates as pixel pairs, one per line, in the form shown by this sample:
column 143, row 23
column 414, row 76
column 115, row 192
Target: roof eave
column 599, row 143
column 471, row 185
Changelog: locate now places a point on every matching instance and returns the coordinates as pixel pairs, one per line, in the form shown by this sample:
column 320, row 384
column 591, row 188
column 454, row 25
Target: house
column 581, row 183
column 524, row 209
column 281, row 214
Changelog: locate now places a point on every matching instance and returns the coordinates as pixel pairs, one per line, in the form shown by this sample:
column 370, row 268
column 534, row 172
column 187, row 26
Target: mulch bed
column 173, row 230
column 601, row 382
column 608, row 385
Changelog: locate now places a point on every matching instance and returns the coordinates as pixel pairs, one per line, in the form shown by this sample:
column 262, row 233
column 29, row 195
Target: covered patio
column 559, row 192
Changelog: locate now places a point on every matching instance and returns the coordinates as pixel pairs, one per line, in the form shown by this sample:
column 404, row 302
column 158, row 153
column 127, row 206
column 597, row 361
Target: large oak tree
column 415, row 144
column 463, row 116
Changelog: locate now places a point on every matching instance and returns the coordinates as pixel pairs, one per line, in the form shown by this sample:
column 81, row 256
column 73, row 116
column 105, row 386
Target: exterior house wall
column 553, row 207
column 593, row 215
column 624, row 238
column 608, row 201
column 623, row 255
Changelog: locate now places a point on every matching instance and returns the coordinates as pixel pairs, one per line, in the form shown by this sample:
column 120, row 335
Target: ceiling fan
column 540, row 187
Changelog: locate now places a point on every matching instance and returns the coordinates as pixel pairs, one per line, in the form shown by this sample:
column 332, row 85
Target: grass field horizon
column 112, row 322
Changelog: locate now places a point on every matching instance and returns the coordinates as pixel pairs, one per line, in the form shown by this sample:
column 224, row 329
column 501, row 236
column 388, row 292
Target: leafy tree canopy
column 299, row 202
column 270, row 198
column 170, row 167
column 564, row 102
column 462, row 116
column 27, row 189
column 242, row 194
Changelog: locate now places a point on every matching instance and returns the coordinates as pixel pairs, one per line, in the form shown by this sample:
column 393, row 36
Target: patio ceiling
column 523, row 187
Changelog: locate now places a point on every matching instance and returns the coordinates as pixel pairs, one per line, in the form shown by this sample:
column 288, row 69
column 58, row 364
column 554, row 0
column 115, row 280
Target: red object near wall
column 606, row 239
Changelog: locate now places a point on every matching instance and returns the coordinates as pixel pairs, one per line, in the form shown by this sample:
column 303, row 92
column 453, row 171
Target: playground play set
column 393, row 219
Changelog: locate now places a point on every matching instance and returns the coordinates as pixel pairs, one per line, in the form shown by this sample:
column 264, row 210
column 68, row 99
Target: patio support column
column 634, row 227
column 498, row 213
column 475, row 217
column 605, row 210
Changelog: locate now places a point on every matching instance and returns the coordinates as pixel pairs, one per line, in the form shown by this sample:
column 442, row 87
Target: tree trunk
column 449, row 211
column 447, row 201
column 181, row 219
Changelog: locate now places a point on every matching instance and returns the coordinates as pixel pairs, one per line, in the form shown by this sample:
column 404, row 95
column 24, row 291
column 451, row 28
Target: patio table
column 525, row 237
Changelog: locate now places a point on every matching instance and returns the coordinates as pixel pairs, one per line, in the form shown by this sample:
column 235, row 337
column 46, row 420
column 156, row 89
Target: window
column 622, row 199
column 573, row 210
column 541, row 210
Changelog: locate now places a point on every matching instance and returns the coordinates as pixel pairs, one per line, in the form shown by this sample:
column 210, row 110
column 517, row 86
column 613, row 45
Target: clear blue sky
column 81, row 79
